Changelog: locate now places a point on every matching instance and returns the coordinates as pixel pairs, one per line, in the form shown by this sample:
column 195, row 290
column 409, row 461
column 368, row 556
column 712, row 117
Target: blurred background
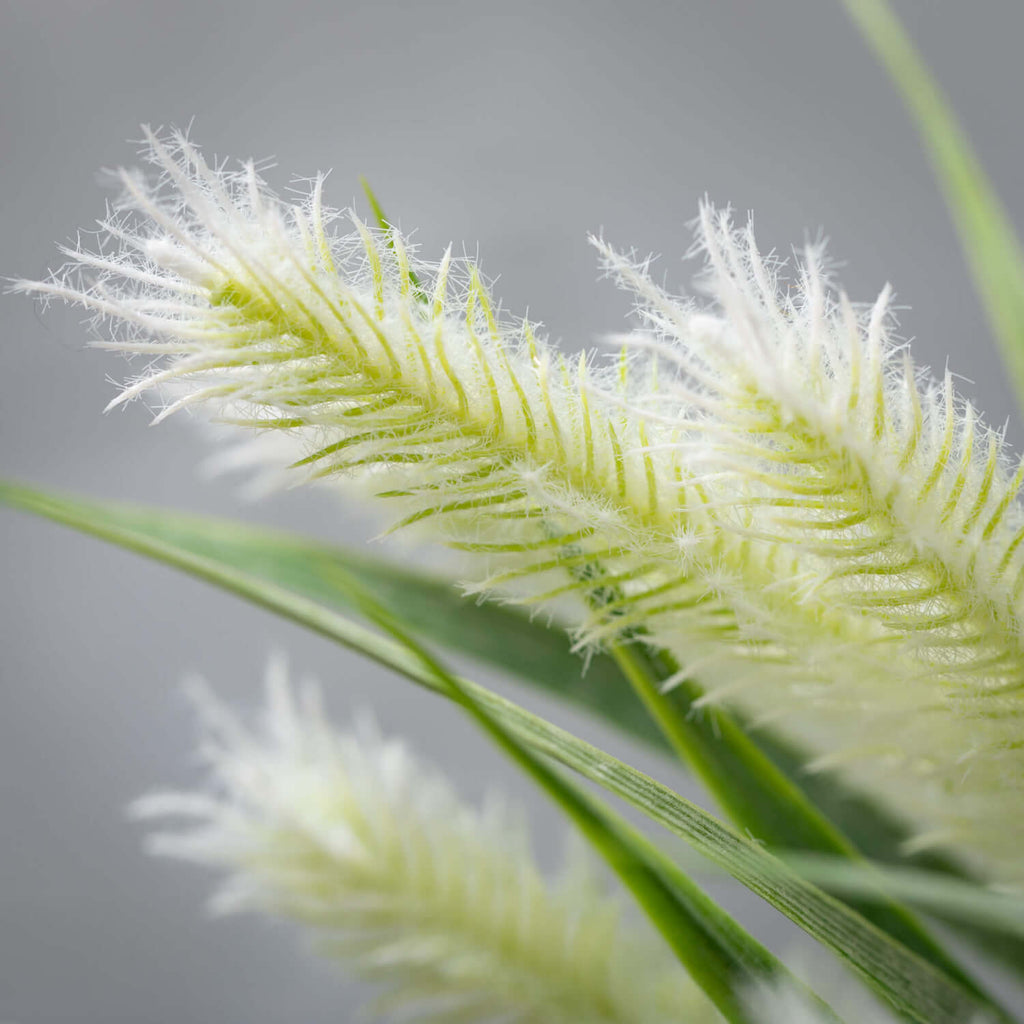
column 512, row 129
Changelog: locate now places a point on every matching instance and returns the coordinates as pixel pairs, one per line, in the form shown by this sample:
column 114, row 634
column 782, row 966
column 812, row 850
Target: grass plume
column 762, row 483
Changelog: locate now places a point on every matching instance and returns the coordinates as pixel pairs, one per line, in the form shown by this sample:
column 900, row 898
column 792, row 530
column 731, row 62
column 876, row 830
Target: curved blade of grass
column 762, row 799
column 929, row 890
column 720, row 956
column 990, row 244
column 909, row 983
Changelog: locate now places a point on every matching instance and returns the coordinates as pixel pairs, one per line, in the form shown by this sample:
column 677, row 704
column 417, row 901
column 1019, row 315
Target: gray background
column 518, row 127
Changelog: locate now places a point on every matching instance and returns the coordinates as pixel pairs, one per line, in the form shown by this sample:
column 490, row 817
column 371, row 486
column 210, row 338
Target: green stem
column 719, row 955
column 756, row 795
column 714, row 746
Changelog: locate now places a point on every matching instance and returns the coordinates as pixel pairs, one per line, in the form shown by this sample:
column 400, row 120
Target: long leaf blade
column 929, row 890
column 737, row 768
column 991, row 246
column 532, row 652
column 721, row 957
column 910, row 984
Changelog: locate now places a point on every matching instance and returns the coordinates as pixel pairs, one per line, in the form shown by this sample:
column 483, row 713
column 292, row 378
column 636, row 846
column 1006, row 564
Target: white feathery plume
column 398, row 373
column 764, row 486
column 403, row 376
column 897, row 510
column 441, row 905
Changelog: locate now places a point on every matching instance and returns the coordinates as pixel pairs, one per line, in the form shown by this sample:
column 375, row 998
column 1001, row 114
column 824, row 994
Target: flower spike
column 271, row 316
column 375, row 857
column 896, row 505
column 763, row 483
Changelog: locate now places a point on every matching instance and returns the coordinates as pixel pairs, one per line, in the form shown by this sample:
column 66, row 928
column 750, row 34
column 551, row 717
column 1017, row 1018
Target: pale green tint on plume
column 441, row 905
column 761, row 485
column 466, row 426
column 893, row 508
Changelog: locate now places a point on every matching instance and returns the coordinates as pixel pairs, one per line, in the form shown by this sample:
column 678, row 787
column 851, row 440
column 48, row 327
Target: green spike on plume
column 765, row 485
column 895, row 511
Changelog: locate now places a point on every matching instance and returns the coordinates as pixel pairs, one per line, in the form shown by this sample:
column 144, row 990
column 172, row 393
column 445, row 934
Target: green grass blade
column 720, row 956
column 989, row 242
column 759, row 798
column 931, row 891
column 911, row 985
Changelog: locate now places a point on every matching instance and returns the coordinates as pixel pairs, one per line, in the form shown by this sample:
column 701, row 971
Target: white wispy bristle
column 897, row 511
column 761, row 483
column 375, row 857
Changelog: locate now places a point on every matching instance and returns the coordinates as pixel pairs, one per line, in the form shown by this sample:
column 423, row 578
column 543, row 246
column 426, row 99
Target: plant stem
column 758, row 797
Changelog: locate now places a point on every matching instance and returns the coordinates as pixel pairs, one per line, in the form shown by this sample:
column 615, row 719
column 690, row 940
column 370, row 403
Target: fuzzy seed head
column 893, row 508
column 761, row 482
column 377, row 859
